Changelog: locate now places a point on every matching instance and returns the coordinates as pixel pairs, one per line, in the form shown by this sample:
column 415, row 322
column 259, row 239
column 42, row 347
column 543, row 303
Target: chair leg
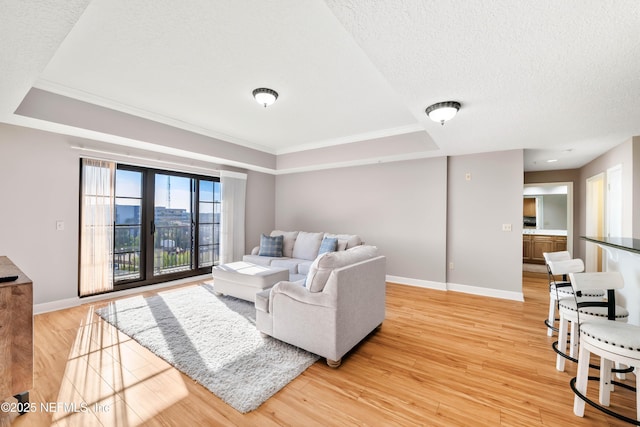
column 573, row 349
column 605, row 381
column 637, row 393
column 621, row 375
column 562, row 342
column 334, row 363
column 552, row 316
column 582, row 378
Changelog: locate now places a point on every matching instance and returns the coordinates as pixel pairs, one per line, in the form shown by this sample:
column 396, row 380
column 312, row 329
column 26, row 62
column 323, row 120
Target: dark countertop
column 624, row 243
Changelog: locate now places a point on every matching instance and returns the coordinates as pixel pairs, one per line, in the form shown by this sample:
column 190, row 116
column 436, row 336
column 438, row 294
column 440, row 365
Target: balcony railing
column 171, row 253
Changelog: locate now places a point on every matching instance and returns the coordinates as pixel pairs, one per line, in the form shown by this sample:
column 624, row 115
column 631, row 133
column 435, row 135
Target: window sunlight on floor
column 111, row 380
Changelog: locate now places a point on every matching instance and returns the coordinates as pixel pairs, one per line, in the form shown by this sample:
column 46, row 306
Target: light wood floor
column 439, row 359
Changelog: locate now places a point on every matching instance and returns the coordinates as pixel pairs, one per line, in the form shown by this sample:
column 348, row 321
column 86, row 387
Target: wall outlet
column 60, row 225
column 451, row 266
column 467, row 176
column 506, row 227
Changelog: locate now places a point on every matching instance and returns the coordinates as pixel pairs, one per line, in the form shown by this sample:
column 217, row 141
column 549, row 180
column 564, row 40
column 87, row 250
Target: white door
column 595, row 221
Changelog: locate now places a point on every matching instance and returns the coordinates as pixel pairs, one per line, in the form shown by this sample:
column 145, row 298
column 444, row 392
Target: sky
column 129, row 184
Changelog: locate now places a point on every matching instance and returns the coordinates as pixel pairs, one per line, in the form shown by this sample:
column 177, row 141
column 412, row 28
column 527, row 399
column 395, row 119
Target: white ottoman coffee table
column 244, row 279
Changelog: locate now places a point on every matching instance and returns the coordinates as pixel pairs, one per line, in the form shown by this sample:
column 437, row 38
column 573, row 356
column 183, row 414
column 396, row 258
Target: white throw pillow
column 322, row 266
column 345, row 241
column 288, row 241
column 307, row 245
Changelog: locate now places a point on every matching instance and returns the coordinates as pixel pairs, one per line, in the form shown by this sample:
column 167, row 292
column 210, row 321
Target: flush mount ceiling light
column 442, row 111
column 265, row 96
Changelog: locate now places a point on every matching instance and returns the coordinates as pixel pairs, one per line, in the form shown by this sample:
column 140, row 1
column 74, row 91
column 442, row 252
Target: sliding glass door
column 128, row 226
column 173, row 223
column 167, row 225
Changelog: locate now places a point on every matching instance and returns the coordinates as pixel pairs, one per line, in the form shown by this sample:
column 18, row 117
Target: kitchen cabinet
column 534, row 245
column 529, row 206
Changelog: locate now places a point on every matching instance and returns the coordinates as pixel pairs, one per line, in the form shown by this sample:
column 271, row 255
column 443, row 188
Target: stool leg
column 620, row 375
column 581, row 380
column 552, row 315
column 637, row 393
column 605, row 381
column 562, row 342
column 574, row 340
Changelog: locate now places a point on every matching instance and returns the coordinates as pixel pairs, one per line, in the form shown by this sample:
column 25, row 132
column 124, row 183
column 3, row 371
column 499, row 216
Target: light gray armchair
column 341, row 302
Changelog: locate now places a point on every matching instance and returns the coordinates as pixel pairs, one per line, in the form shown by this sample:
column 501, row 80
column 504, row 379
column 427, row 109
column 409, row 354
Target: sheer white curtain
column 96, row 226
column 233, row 188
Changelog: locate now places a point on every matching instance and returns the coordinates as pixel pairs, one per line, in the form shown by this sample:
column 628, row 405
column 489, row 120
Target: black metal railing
column 126, row 256
column 171, row 253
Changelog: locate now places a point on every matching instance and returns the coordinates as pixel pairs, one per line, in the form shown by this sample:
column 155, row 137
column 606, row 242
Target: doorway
column 594, row 221
column 547, row 222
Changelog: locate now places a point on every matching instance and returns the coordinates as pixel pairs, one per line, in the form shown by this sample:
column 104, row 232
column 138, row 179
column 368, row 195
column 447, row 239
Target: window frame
column 147, row 217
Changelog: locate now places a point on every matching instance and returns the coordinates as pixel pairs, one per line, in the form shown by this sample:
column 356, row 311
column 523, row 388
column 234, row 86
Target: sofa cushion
column 270, row 246
column 303, row 267
column 345, row 241
column 322, row 266
column 329, row 244
column 259, row 260
column 289, row 263
column 307, row 245
column 288, row 241
column 262, row 300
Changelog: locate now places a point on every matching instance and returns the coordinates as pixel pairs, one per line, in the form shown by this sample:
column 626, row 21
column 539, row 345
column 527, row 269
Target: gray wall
column 482, row 254
column 399, row 207
column 622, row 154
column 635, row 183
column 39, row 185
column 260, row 211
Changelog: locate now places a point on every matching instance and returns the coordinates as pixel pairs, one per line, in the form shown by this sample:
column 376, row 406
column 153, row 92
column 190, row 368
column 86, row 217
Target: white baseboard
column 467, row 289
column 486, row 292
column 74, row 302
column 427, row 284
column 417, row 282
column 60, row 304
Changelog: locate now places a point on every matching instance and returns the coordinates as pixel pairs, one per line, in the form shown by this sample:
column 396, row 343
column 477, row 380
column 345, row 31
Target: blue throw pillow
column 329, row 244
column 271, row 245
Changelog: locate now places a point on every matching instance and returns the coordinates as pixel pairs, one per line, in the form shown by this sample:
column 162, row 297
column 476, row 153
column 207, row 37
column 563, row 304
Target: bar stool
column 615, row 342
column 582, row 308
column 557, row 288
column 561, row 264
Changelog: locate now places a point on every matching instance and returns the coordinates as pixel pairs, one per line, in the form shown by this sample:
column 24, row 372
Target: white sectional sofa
column 342, row 302
column 299, row 250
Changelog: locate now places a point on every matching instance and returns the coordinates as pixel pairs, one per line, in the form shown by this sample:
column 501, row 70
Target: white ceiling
column 558, row 79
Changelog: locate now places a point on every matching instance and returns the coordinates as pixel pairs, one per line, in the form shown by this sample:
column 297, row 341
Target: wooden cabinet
column 534, row 245
column 529, row 206
column 560, row 243
column 526, row 247
column 16, row 333
column 540, row 245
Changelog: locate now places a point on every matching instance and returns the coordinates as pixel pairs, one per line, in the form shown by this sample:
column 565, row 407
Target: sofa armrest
column 299, row 294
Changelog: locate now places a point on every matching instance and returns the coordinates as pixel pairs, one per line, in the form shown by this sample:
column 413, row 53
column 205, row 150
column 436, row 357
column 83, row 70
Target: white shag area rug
column 212, row 339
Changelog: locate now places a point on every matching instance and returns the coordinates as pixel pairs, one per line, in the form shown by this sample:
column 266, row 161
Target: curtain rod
column 131, row 156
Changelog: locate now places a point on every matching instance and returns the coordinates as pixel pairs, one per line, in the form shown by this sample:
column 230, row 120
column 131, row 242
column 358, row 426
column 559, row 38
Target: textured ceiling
column 557, row 79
